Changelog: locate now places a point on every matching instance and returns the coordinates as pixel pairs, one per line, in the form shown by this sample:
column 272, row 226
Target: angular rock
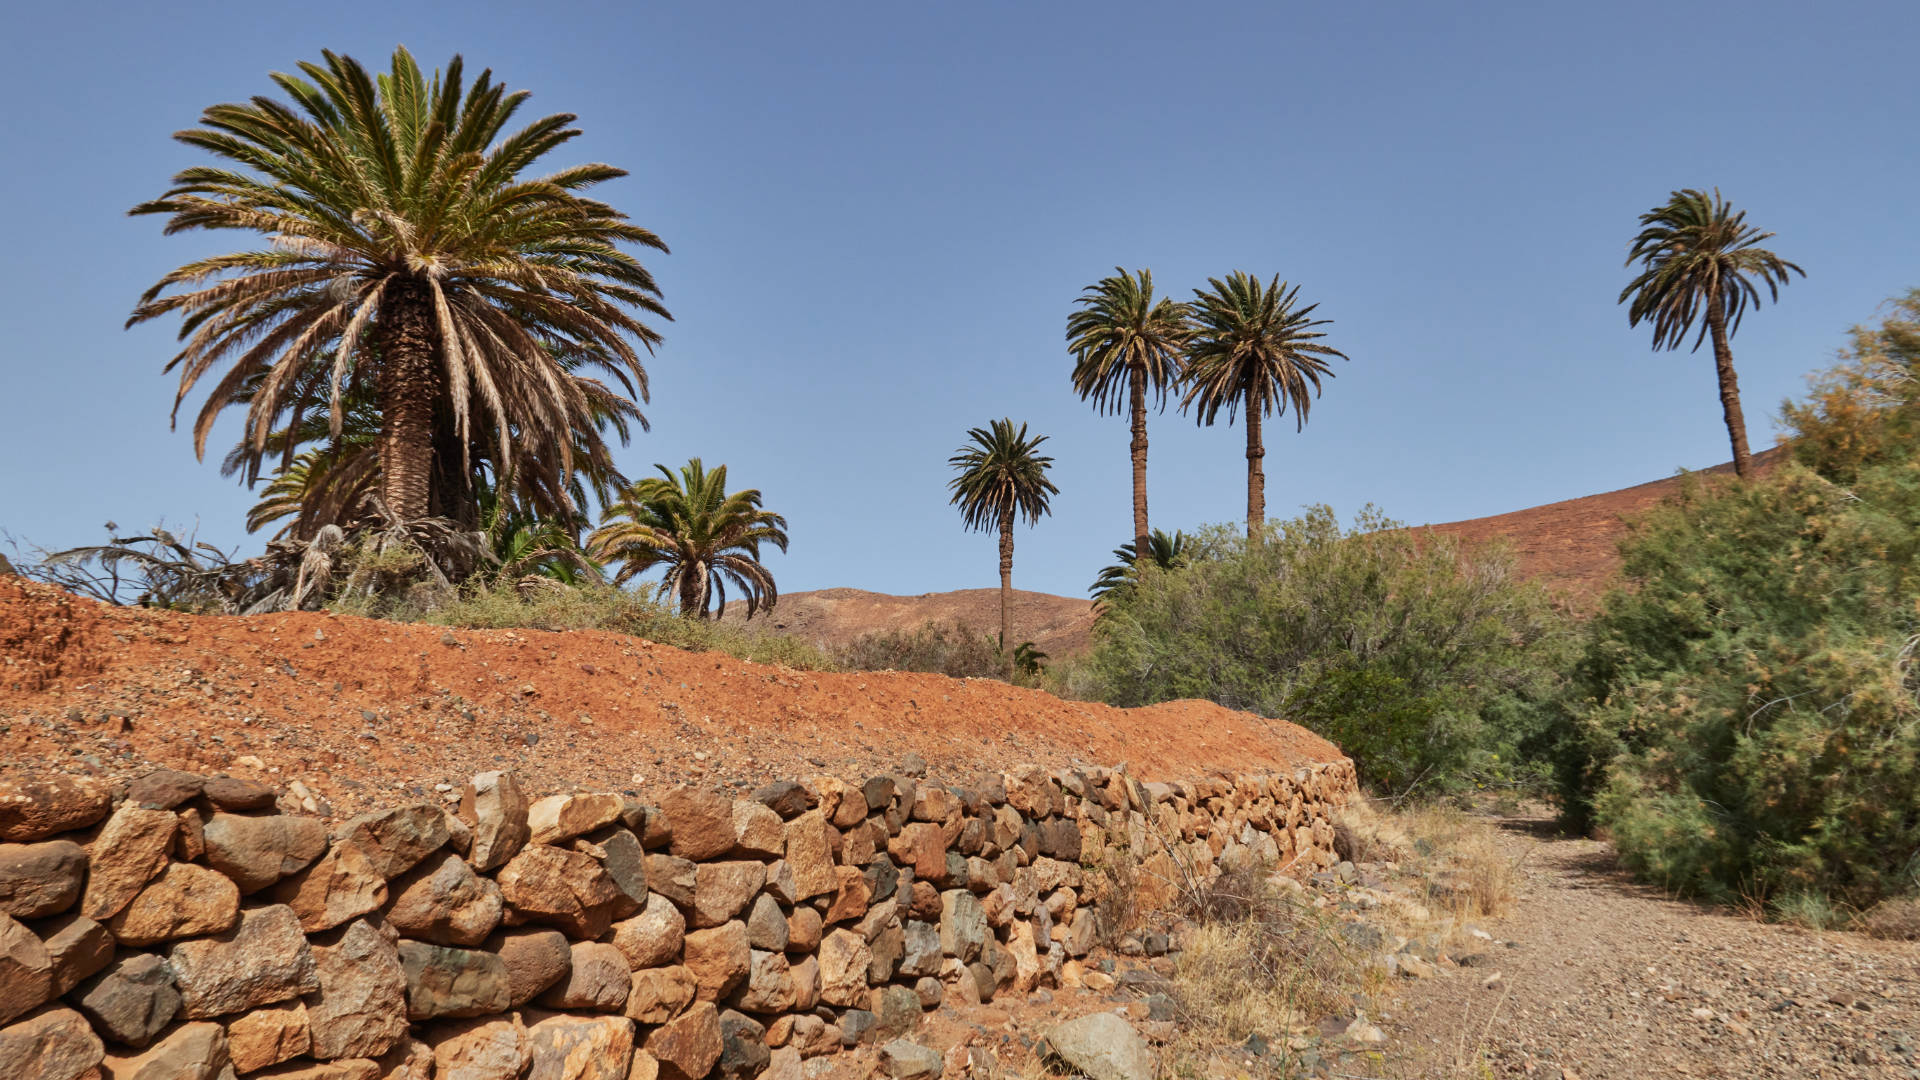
column 702, row 823
column 687, row 1048
column 905, row 1060
column 261, row 960
column 626, row 864
column 453, row 982
column 743, row 1046
column 131, row 848
column 1082, row 933
column 195, row 1051
column 809, row 857
column 132, row 1001
column 345, row 1069
column 164, row 789
column 183, row 901
column 26, row 970
column 36, row 809
column 234, row 794
column 803, row 930
column 920, row 949
column 1102, row 1046
column 856, row 1027
column 409, row 1059
column 923, row 846
column 719, row 958
column 559, row 818
column 887, row 947
column 805, row 973
column 597, row 979
column 851, row 897
column 644, row 1067
column 963, row 925
column 769, row 987
column 535, row 959
column 767, row 925
column 758, row 832
column 883, row 878
column 654, row 937
column 480, row 1049
column 784, row 797
column 813, row 1036
column 54, row 1044
column 343, row 885
column 443, row 901
column 361, row 1008
column 845, row 962
column 568, row 889
column 660, row 994
column 784, row 1064
column 38, row 880
column 396, row 840
column 497, row 812
column 258, row 851
column 580, row 1048
column 268, row 1036
column 896, row 1011
column 673, row 878
column 722, row 890
column 77, row 947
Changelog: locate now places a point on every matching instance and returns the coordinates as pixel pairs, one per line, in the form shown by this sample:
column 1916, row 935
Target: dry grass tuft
column 1897, row 919
column 1457, row 853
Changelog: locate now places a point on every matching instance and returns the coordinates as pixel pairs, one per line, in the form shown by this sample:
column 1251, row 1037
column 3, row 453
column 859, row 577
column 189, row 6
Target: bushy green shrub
column 1419, row 656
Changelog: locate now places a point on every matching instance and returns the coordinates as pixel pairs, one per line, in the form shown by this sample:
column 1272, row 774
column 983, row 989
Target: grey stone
column 963, row 925
column 131, row 1001
column 921, row 951
column 784, row 797
column 164, row 789
column 905, row 1060
column 443, row 982
column 743, row 1046
column 597, row 979
column 1103, row 1047
column 930, row 991
column 896, row 1010
column 767, row 925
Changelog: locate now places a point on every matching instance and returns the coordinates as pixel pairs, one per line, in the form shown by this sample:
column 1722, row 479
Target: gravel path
column 1607, row 979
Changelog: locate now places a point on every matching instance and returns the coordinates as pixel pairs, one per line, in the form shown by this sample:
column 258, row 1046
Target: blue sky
column 880, row 215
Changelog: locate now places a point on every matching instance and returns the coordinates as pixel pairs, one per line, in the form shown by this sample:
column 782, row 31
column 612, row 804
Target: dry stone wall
column 191, row 927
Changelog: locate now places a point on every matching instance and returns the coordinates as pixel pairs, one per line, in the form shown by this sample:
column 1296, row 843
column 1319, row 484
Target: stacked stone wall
column 182, row 926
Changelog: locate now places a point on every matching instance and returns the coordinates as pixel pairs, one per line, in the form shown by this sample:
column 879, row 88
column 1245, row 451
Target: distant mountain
column 1057, row 625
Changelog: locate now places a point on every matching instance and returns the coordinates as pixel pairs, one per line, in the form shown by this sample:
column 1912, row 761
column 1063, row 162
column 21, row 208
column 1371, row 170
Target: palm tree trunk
column 1256, row 475
column 1006, row 583
column 693, row 592
column 1729, row 390
column 1142, row 542
column 408, row 384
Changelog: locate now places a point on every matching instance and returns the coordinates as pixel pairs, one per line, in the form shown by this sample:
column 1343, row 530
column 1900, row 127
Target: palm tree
column 1001, row 478
column 396, row 213
column 1163, row 551
column 1252, row 349
column 1126, row 342
column 704, row 535
column 1700, row 258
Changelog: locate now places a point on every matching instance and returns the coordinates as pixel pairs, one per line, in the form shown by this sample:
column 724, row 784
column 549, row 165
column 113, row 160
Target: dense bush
column 1743, row 714
column 1419, row 657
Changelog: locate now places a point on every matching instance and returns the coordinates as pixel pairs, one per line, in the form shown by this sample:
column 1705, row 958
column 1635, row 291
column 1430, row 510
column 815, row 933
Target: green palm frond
column 1001, row 477
column 1120, row 329
column 699, row 533
column 1253, row 348
column 1163, row 551
column 1698, row 253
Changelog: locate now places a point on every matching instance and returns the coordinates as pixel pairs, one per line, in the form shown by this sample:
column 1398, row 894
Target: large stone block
column 580, row 1048
column 195, row 1051
column 443, row 901
column 722, row 890
column 183, row 901
column 453, row 982
column 559, row 818
column 568, row 889
column 77, row 947
column 687, row 1048
column 809, row 857
column 719, row 959
column 758, row 832
column 361, row 1007
column 597, row 979
column 26, row 970
column 702, row 823
column 132, row 1001
column 131, row 848
column 483, row 1049
column 963, row 925
column 258, row 851
column 268, row 1036
column 342, row 886
column 54, row 1044
column 38, row 880
column 494, row 808
column 845, row 962
column 535, row 959
column 263, row 959
column 38, row 808
column 396, row 840
column 660, row 994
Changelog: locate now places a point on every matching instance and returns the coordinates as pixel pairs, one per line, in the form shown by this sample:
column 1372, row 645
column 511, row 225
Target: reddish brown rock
column 183, row 901
column 673, row 878
column 806, row 982
column 689, row 1047
column 809, row 856
column 580, row 1048
column 480, row 1049
column 361, row 1007
column 702, row 823
column 261, row 960
column 343, row 885
column 654, row 937
column 131, row 848
column 164, row 789
column 722, row 890
column 597, row 979
column 559, row 818
column 453, row 982
column 258, row 851
column 268, row 1036
column 344, row 1069
column 494, row 808
column 36, row 809
column 234, row 794
column 535, row 959
column 769, row 986
column 396, row 840
column 850, row 900
column 77, row 947
column 568, row 889
column 758, row 831
column 803, row 930
column 26, row 971
column 54, row 1044
column 922, row 846
column 660, row 994
column 719, row 958
column 38, row 880
column 189, row 1052
column 443, row 901
column 845, row 962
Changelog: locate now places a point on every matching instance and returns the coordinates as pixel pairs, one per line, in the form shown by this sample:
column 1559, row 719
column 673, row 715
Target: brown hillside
column 1573, row 546
column 358, row 708
column 1057, row 625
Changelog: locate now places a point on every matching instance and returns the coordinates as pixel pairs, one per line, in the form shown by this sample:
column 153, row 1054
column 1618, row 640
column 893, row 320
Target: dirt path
column 1599, row 978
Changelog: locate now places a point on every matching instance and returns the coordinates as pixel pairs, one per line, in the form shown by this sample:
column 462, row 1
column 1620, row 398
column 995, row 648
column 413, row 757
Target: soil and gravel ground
column 364, row 711
column 1606, row 979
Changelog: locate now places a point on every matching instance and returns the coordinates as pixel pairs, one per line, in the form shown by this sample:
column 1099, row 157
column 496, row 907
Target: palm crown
column 1254, row 348
column 1699, row 263
column 704, row 535
column 395, row 210
column 1001, row 477
column 1163, row 552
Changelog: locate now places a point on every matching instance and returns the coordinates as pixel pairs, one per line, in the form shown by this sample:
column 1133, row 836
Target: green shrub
column 1423, row 659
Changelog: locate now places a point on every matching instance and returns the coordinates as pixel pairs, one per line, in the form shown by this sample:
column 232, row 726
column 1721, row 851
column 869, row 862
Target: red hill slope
column 1057, row 625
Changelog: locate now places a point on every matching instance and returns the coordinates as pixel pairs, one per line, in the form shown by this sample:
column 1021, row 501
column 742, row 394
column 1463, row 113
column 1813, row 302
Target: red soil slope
column 357, row 708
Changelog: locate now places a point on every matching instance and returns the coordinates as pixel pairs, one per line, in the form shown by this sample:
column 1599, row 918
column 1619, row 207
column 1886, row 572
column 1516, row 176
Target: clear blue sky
column 881, row 213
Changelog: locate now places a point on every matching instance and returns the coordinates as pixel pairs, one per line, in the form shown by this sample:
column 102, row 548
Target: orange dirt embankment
column 359, row 708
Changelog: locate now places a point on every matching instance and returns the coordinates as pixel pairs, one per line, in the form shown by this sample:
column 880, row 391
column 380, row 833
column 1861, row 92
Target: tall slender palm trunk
column 1142, row 540
column 693, row 593
column 1256, row 474
column 408, row 385
column 1729, row 389
column 1006, row 584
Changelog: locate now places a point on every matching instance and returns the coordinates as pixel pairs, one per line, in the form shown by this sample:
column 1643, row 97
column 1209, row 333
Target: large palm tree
column 1127, row 344
column 396, row 211
column 1699, row 259
column 703, row 534
column 1254, row 349
column 1001, row 478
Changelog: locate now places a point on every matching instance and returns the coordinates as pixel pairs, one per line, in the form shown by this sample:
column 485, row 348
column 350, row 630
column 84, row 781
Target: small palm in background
column 1002, row 477
column 1700, row 260
column 702, row 535
column 1163, row 552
